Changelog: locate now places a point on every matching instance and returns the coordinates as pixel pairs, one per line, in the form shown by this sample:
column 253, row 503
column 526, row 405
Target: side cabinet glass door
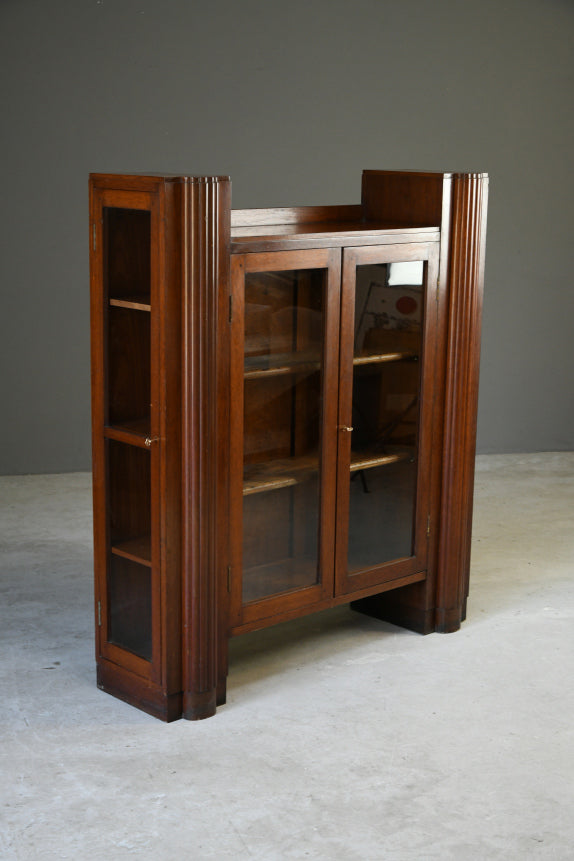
column 125, row 425
column 283, row 430
column 388, row 322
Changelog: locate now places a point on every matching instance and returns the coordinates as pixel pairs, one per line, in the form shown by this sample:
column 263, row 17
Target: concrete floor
column 343, row 737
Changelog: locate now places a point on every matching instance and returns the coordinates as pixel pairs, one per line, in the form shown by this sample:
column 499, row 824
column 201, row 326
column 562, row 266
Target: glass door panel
column 129, row 564
column 385, row 412
column 383, row 431
column 282, row 399
column 128, row 596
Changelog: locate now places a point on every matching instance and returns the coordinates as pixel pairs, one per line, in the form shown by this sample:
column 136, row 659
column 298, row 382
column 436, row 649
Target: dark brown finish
column 289, row 472
column 295, row 216
column 128, row 365
column 135, row 249
column 466, row 281
column 206, row 213
column 418, row 560
column 286, row 237
column 405, row 198
column 459, row 201
column 174, row 272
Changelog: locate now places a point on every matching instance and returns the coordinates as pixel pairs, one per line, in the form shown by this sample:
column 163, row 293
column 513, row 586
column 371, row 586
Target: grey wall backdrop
column 293, row 100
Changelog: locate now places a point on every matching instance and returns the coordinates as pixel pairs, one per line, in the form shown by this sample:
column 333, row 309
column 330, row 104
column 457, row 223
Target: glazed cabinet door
column 134, row 427
column 125, row 464
column 388, row 331
column 283, row 429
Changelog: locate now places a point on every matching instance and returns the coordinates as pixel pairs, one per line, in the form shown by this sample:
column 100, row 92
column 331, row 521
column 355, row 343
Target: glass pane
column 127, row 280
column 129, row 582
column 386, row 381
column 127, row 244
column 128, row 366
column 282, row 422
column 130, row 606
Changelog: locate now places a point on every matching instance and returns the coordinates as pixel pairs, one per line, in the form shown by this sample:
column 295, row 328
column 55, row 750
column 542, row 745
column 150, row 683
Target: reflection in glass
column 386, row 381
column 282, row 419
column 129, row 588
column 127, row 248
column 129, row 582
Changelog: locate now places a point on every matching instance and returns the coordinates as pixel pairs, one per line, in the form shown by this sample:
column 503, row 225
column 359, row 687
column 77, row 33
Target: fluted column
column 466, row 278
column 206, row 215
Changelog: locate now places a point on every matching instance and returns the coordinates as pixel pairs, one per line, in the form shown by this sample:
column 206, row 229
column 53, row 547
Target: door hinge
column 94, row 235
column 99, row 614
column 428, row 526
column 230, row 308
column 229, row 578
column 437, row 289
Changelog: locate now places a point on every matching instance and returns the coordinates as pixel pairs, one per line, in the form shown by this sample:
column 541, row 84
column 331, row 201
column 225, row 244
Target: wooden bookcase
column 284, row 413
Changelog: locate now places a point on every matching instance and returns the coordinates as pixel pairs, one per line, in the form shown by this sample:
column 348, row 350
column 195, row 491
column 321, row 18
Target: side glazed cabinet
column 284, row 412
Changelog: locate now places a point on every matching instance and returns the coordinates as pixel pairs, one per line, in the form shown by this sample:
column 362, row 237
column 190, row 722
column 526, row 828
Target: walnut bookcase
column 284, row 412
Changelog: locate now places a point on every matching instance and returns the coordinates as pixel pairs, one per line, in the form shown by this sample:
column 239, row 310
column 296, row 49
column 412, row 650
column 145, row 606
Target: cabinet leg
column 405, row 611
column 449, row 619
column 221, row 695
column 400, row 607
column 199, row 706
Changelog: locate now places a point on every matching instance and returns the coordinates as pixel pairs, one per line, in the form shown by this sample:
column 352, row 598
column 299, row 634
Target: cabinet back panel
column 129, row 365
column 127, row 242
column 129, row 591
column 381, row 515
column 129, row 476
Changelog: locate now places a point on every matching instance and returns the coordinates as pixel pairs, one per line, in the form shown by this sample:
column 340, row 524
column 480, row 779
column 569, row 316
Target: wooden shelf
column 364, row 460
column 135, row 549
column 288, row 472
column 278, row 577
column 136, row 432
column 280, row 365
column 137, row 303
column 375, row 359
column 275, row 366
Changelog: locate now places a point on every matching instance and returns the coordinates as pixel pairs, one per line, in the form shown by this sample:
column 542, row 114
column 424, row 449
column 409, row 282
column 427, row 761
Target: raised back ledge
column 296, row 215
column 306, row 222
